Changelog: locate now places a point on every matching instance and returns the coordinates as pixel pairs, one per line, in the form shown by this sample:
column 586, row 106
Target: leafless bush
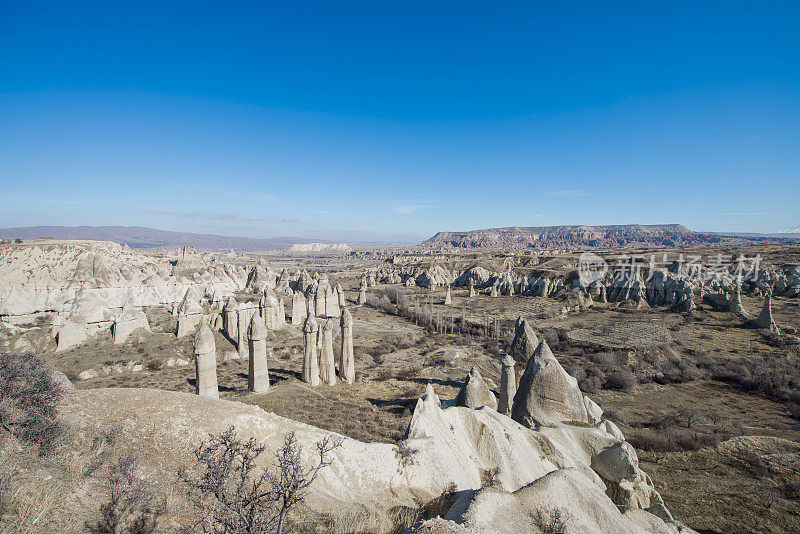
column 405, row 453
column 593, row 382
column 606, row 360
column 29, row 395
column 234, row 496
column 620, row 379
column 653, row 443
column 553, row 521
column 131, row 507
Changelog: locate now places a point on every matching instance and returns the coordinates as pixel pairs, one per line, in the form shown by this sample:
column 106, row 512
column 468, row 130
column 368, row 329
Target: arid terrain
column 681, row 362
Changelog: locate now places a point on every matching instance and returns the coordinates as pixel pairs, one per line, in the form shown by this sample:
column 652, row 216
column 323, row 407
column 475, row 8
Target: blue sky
column 392, row 121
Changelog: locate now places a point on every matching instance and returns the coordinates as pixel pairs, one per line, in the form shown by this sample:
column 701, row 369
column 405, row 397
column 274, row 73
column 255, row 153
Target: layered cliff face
column 554, row 237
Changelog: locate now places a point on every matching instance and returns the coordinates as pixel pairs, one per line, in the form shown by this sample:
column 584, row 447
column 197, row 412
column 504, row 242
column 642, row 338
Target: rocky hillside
column 143, row 237
column 555, row 237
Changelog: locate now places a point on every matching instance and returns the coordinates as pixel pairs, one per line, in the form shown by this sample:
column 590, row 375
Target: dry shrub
column 620, row 379
column 653, row 444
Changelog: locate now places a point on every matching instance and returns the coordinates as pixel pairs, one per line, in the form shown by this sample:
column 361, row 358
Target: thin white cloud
column 225, row 216
column 254, row 218
column 159, row 211
column 288, row 219
column 410, row 206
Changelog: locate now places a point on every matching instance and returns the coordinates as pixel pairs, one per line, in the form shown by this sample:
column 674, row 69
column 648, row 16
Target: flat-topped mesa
column 475, row 393
column 547, row 394
column 327, row 364
column 448, row 299
column 508, row 384
column 525, row 340
column 230, row 323
column 347, row 370
column 310, row 361
column 258, row 377
column 764, row 319
column 205, row 357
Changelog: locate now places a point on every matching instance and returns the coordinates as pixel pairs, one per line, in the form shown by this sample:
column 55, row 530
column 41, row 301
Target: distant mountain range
column 142, row 237
column 557, row 237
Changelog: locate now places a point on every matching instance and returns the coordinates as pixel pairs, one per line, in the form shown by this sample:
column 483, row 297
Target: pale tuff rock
column 340, row 296
column 245, row 314
column 127, row 321
column 736, row 306
column 190, row 304
column 612, row 429
column 261, row 277
column 494, row 291
column 189, row 258
column 525, row 340
column 310, row 359
column 448, row 299
column 347, row 370
column 474, row 393
column 269, row 307
column 410, row 282
column 71, row 334
column 327, row 365
column 434, row 276
column 311, row 312
column 542, row 469
column 258, row 377
column 508, row 384
column 320, row 296
column 299, row 308
column 765, row 319
column 47, row 277
column 190, row 313
column 362, row 295
column 593, row 411
column 471, row 290
column 205, row 356
column 547, row 394
column 332, row 303
column 281, row 311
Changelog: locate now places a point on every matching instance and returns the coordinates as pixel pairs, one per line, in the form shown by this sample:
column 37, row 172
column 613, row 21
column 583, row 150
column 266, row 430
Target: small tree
column 29, row 396
column 689, row 415
column 235, row 496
